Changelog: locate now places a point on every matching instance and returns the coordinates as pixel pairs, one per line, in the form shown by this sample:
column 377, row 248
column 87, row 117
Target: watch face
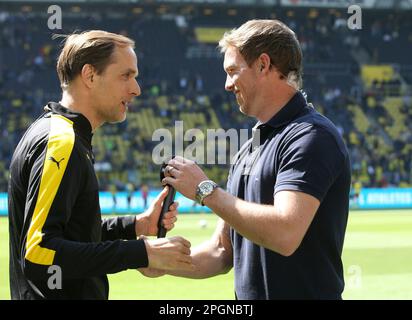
column 207, row 187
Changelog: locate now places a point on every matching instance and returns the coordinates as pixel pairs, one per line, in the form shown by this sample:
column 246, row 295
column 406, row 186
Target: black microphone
column 161, row 233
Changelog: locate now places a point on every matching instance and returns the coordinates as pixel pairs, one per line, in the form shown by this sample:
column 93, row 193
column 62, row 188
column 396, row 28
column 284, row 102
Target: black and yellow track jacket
column 54, row 215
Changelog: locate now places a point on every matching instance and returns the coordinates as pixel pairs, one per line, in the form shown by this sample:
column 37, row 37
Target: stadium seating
column 182, row 79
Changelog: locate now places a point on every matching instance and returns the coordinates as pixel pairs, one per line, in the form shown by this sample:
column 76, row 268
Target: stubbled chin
column 242, row 109
column 241, row 105
column 120, row 116
column 119, row 119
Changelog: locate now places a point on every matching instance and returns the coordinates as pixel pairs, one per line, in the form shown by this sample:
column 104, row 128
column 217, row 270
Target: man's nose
column 229, row 84
column 136, row 91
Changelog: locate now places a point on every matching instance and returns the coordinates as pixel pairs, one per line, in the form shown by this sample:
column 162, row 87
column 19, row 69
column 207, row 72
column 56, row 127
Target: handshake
column 164, row 254
column 167, row 254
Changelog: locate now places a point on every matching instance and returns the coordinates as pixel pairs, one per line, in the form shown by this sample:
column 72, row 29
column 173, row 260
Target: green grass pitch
column 377, row 260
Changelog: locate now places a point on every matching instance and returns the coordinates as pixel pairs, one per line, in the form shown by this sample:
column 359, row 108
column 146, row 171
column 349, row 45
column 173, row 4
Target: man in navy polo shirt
column 284, row 215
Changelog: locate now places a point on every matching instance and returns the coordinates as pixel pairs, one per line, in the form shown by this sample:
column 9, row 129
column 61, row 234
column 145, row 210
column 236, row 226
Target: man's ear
column 263, row 62
column 88, row 75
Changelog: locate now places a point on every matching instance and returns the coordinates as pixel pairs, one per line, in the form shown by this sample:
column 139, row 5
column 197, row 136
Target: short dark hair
column 94, row 47
column 272, row 37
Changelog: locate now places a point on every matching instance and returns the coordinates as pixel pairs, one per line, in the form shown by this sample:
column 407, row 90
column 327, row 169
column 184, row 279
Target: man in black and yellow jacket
column 54, row 211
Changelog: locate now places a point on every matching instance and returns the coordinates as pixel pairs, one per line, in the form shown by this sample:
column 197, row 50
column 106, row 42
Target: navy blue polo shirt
column 301, row 150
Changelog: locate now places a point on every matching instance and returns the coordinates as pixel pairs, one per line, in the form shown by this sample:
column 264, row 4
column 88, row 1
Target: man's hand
column 184, row 175
column 169, row 254
column 151, row 273
column 146, row 223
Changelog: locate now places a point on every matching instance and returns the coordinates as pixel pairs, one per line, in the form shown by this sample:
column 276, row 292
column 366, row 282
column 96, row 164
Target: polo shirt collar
column 287, row 113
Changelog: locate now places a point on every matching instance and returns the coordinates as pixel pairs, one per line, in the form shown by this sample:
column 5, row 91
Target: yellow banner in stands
column 376, row 72
column 209, row 35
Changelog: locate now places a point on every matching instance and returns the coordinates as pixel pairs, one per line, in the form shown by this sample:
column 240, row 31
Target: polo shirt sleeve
column 309, row 161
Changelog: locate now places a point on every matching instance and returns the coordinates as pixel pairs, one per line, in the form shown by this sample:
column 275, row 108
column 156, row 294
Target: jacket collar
column 80, row 123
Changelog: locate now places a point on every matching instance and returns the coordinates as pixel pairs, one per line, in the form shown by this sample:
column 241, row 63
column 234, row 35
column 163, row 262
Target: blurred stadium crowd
column 359, row 79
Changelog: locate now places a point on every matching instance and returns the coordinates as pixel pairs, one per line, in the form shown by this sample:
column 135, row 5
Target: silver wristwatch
column 204, row 189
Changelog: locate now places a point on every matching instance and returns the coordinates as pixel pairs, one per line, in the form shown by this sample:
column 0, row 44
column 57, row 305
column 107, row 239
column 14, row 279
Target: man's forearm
column 261, row 224
column 209, row 261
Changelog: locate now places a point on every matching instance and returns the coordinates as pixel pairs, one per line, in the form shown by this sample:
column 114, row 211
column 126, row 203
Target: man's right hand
column 169, row 253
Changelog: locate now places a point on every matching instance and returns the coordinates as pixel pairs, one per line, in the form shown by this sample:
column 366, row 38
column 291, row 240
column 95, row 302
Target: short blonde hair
column 272, row 37
column 94, row 47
